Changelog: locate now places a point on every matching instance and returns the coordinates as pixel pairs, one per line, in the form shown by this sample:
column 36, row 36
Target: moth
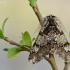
column 50, row 39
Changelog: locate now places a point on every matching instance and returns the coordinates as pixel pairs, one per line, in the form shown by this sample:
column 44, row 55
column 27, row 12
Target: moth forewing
column 51, row 39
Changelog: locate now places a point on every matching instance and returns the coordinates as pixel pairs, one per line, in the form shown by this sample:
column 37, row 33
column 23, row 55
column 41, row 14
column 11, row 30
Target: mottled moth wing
column 51, row 39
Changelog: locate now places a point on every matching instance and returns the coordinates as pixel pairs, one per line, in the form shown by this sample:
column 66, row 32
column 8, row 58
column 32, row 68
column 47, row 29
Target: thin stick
column 14, row 43
column 38, row 14
column 52, row 62
column 66, row 66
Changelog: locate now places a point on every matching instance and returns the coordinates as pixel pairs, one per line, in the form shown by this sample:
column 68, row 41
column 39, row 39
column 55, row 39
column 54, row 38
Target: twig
column 66, row 66
column 52, row 62
column 38, row 14
column 14, row 43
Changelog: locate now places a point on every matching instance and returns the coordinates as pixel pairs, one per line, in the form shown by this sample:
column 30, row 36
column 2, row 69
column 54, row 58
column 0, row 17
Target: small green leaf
column 1, row 35
column 4, row 25
column 6, row 49
column 26, row 39
column 32, row 3
column 33, row 39
column 13, row 52
column 21, row 42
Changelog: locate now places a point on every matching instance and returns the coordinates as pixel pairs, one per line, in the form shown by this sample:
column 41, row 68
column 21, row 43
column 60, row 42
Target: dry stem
column 38, row 14
column 14, row 43
column 66, row 66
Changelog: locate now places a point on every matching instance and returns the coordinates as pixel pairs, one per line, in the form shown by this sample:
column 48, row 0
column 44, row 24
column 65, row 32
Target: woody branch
column 66, row 66
column 16, row 44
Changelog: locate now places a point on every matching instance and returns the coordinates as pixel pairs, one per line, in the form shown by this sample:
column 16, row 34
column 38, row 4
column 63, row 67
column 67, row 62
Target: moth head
column 34, row 58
